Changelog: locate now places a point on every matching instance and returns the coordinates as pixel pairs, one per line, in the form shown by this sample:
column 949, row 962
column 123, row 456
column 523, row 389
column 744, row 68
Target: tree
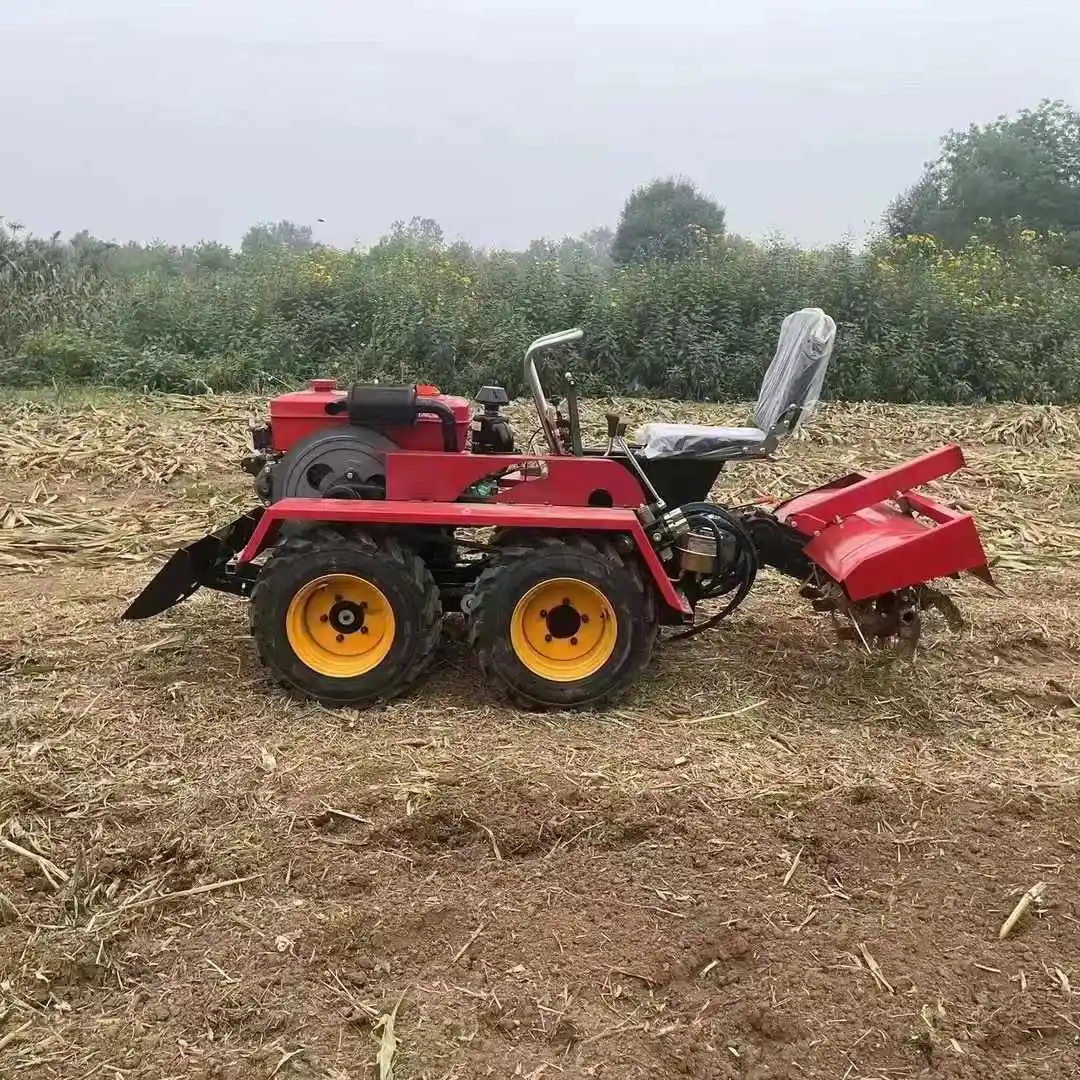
column 666, row 220
column 591, row 248
column 1023, row 169
column 418, row 233
column 212, row 255
column 276, row 236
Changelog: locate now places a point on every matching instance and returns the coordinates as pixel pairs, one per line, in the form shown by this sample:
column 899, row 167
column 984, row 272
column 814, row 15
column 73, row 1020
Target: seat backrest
column 792, row 385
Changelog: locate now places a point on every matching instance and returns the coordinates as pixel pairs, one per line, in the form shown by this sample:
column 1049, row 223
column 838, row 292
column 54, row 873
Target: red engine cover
column 295, row 416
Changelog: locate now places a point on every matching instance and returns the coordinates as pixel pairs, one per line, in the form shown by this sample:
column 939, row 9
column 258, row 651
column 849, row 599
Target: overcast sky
column 504, row 121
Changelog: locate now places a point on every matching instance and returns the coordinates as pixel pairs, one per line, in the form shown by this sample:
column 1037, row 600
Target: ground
column 779, row 857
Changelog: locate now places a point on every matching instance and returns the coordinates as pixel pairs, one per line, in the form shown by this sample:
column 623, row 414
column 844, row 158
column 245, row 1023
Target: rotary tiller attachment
column 894, row 620
column 874, row 545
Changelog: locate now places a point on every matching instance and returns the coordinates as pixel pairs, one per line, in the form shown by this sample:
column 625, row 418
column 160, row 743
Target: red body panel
column 565, row 481
column 872, row 546
column 466, row 516
column 812, row 510
column 295, row 416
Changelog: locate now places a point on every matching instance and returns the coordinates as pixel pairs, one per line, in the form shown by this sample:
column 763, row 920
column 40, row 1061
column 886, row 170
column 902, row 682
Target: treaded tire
column 399, row 573
column 528, row 560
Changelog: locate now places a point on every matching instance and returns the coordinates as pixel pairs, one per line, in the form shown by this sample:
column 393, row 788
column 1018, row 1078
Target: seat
column 789, row 392
column 696, row 440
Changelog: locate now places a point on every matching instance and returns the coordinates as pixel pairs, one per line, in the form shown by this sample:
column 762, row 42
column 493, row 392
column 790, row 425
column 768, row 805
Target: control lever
column 574, row 415
column 616, row 427
column 658, row 503
column 616, row 433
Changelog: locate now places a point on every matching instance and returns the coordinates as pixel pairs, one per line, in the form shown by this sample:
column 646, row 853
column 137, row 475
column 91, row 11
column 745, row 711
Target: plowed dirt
column 778, row 858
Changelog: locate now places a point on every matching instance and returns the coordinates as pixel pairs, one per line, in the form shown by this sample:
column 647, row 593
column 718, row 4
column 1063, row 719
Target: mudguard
column 203, row 562
column 873, row 535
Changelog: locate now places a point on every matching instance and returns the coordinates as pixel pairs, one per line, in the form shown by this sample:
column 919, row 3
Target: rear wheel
column 563, row 622
column 345, row 618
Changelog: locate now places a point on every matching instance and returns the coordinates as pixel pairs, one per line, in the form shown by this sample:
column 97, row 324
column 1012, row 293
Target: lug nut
column 324, row 618
column 573, row 641
column 341, row 637
column 584, row 618
column 547, row 637
column 543, row 614
column 363, row 629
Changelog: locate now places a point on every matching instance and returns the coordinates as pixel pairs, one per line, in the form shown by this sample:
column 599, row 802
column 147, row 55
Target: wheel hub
column 340, row 625
column 564, row 621
column 563, row 629
column 347, row 617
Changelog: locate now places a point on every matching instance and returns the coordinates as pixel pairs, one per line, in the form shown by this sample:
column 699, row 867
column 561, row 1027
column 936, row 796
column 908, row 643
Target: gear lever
column 616, row 427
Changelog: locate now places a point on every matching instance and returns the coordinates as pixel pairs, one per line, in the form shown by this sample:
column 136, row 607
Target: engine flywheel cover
column 326, row 456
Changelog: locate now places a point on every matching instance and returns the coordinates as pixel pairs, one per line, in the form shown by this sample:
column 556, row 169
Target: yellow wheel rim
column 563, row 630
column 340, row 625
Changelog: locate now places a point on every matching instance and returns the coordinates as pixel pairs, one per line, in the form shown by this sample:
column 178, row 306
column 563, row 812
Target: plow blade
column 203, row 562
column 873, row 535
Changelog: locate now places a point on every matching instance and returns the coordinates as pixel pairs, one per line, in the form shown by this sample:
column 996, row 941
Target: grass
column 778, row 857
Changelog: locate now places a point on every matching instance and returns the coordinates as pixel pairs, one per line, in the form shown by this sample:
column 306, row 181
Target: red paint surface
column 464, row 516
column 296, row 415
column 569, row 481
column 873, row 547
column 814, row 509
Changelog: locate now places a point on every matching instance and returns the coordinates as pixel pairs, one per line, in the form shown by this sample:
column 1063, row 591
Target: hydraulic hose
column 737, row 577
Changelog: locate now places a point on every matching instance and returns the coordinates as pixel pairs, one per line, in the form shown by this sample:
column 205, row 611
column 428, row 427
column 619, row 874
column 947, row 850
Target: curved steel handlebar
column 548, row 341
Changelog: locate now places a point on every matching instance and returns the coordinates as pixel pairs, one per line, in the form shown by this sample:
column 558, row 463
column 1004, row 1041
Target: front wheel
column 345, row 618
column 562, row 621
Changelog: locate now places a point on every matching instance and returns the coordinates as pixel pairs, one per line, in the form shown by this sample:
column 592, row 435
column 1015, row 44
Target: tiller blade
column 203, row 562
column 895, row 618
column 874, row 544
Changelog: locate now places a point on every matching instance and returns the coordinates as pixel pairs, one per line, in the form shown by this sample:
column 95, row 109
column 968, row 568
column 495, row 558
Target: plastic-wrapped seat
column 790, row 390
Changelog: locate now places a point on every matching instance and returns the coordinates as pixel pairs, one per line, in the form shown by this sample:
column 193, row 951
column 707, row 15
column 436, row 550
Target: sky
column 140, row 119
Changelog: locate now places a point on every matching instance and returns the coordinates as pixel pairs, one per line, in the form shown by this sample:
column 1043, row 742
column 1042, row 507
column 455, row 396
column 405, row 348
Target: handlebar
column 548, row 341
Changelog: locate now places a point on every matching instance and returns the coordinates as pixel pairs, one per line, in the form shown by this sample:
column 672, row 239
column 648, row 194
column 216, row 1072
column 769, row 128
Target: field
column 779, row 857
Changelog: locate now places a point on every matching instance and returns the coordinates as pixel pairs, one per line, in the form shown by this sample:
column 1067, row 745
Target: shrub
column 916, row 321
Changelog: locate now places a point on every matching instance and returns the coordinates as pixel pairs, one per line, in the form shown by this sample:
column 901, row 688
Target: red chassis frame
column 422, row 488
column 866, row 543
column 466, row 516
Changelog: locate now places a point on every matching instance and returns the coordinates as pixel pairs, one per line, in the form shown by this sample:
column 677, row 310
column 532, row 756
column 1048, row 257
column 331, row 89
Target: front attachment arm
column 207, row 561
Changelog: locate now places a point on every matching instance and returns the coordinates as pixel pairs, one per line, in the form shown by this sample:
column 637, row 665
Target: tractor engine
column 324, row 442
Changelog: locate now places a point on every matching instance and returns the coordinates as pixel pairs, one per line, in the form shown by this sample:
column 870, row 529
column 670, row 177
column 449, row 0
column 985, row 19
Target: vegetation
column 972, row 294
column 1023, row 169
column 666, row 221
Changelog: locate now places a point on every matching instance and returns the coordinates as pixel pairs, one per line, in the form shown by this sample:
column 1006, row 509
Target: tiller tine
column 944, row 605
column 874, row 544
column 200, row 563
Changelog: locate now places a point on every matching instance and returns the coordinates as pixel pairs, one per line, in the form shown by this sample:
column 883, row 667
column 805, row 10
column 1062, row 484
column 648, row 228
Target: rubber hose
column 742, row 573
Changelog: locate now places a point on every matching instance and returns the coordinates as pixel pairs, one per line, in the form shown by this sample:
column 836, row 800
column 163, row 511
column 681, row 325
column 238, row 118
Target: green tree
column 665, row 221
column 590, row 249
column 276, row 236
column 418, row 233
column 211, row 255
column 1023, row 169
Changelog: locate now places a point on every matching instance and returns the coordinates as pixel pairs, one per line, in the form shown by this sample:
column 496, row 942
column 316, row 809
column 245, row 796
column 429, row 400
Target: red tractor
column 386, row 507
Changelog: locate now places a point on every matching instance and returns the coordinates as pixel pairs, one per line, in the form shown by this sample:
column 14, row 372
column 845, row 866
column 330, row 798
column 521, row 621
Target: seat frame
column 800, row 387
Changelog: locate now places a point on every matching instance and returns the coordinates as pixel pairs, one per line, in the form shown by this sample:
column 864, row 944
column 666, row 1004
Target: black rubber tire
column 526, row 562
column 397, row 571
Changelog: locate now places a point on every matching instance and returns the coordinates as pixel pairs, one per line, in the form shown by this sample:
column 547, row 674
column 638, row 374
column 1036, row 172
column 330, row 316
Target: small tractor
column 383, row 508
